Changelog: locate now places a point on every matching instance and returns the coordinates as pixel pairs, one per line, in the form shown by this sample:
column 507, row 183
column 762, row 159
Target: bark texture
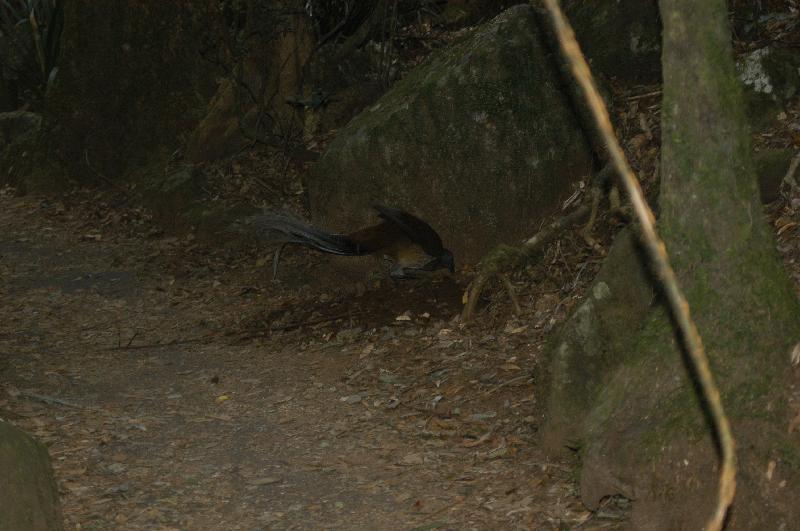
column 635, row 417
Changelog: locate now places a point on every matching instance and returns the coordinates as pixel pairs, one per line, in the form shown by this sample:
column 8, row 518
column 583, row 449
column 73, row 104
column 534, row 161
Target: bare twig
column 300, row 324
column 645, row 95
column 507, row 382
column 789, row 177
column 162, row 345
column 480, row 440
column 551, row 231
column 658, row 255
column 53, row 400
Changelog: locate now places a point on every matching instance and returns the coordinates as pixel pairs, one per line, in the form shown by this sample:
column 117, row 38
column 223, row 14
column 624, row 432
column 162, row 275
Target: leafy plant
column 30, row 40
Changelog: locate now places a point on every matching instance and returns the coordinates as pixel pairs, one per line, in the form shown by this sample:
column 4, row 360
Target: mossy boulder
column 481, row 140
column 771, row 78
column 590, row 342
column 28, row 493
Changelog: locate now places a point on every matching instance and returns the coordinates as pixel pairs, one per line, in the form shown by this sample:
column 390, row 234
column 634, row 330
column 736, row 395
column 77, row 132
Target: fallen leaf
column 469, row 443
column 786, row 227
column 268, row 480
column 413, row 459
column 794, row 423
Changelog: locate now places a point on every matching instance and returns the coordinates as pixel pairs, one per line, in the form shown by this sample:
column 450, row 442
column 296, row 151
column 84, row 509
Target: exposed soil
column 177, row 387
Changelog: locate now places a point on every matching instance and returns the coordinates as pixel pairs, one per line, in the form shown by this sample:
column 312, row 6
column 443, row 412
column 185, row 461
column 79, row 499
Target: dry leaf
column 269, row 480
column 413, row 459
column 794, row 423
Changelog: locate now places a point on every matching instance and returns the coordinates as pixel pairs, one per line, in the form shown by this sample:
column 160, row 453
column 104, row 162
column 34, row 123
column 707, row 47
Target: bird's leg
column 384, row 271
column 397, row 272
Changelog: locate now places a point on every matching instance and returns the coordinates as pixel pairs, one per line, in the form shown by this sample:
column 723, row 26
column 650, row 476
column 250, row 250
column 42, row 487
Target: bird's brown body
column 407, row 242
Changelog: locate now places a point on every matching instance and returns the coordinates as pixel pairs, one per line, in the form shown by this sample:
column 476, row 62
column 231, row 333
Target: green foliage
column 503, row 258
column 30, row 40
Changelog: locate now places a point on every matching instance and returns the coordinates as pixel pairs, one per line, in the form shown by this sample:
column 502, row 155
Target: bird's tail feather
column 287, row 229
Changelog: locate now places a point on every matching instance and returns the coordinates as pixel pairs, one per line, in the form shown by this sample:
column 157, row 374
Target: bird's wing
column 417, row 230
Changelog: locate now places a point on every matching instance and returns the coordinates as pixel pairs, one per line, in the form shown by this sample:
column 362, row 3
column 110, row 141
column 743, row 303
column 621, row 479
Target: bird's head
column 446, row 261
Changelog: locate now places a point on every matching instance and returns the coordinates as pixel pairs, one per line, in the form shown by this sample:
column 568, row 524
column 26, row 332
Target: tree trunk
column 634, row 416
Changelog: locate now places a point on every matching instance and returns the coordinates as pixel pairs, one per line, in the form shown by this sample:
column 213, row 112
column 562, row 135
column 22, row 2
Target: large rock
column 481, row 140
column 28, row 494
column 771, row 77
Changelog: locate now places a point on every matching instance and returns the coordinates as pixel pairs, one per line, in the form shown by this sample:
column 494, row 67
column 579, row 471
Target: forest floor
column 177, row 387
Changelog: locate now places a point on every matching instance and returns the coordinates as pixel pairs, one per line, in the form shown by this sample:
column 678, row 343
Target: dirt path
column 146, row 365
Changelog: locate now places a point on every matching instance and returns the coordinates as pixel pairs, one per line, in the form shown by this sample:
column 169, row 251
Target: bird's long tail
column 282, row 228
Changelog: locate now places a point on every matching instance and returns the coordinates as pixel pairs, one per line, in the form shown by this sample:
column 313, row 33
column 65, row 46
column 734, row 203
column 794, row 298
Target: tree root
column 475, row 288
column 503, row 258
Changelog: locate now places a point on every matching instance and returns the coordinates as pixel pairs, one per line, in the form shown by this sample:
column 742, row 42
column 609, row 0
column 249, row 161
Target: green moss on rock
column 480, row 140
column 28, row 493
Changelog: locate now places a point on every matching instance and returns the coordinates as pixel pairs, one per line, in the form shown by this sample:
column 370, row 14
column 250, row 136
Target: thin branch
column 171, row 343
column 551, row 231
column 789, row 178
column 53, row 400
column 658, row 255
